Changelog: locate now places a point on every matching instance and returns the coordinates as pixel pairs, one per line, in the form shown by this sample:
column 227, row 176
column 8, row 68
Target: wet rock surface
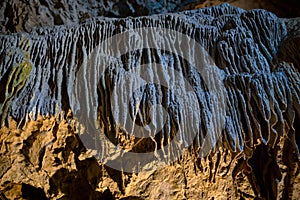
column 44, row 156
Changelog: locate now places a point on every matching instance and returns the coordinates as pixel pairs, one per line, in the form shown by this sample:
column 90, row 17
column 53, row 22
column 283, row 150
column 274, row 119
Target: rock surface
column 20, row 15
column 42, row 151
column 284, row 9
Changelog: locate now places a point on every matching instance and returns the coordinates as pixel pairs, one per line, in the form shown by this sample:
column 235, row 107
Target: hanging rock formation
column 44, row 151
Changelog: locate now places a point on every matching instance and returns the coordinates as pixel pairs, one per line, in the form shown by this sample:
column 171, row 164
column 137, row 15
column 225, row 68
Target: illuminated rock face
column 254, row 155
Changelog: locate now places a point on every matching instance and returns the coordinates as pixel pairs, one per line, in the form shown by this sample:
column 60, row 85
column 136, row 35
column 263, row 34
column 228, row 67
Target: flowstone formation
column 57, row 96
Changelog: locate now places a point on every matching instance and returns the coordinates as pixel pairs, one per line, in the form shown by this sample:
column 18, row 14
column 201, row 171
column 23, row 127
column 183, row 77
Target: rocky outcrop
column 45, row 153
column 284, row 9
column 19, row 15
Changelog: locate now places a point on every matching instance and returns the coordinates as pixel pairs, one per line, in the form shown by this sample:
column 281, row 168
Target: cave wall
column 43, row 153
column 21, row 15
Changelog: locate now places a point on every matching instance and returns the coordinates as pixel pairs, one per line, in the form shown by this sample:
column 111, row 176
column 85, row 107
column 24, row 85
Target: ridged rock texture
column 256, row 157
column 21, row 15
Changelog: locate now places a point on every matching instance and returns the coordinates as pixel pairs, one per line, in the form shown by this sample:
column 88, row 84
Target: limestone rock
column 42, row 146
